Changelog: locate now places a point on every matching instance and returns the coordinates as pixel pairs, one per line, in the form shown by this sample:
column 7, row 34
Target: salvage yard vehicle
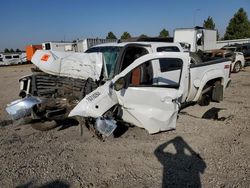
column 237, row 58
column 140, row 83
column 243, row 48
column 12, row 58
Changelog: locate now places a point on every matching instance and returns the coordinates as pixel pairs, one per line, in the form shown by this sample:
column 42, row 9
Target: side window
column 47, row 46
column 170, row 64
column 142, row 75
column 170, row 72
column 169, row 75
column 8, row 57
column 131, row 54
column 168, row 49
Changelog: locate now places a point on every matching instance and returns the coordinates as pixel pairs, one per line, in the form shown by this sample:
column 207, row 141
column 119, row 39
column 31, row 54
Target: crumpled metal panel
column 68, row 64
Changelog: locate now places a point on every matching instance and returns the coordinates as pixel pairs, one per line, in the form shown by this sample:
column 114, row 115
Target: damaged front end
column 105, row 126
column 100, row 110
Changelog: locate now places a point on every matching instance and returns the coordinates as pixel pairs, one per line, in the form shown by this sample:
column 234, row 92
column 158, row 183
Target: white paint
column 69, row 64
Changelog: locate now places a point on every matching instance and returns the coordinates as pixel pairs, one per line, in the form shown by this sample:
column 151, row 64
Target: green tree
column 238, row 27
column 18, row 50
column 6, row 50
column 111, row 36
column 125, row 36
column 209, row 23
column 11, row 50
column 164, row 33
column 143, row 36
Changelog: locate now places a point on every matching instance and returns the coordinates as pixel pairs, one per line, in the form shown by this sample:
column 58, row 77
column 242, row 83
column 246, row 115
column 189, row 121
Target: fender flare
column 210, row 75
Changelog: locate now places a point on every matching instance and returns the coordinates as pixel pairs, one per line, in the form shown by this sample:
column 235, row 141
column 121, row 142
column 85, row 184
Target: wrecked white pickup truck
column 140, row 83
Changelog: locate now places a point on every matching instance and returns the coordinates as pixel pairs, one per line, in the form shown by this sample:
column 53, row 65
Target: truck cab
column 118, row 56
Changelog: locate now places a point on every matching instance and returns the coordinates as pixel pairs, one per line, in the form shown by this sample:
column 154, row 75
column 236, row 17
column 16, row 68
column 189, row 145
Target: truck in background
column 198, row 38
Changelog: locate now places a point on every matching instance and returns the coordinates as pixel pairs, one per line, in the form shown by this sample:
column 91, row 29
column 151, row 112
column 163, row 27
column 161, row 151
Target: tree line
column 126, row 35
column 238, row 27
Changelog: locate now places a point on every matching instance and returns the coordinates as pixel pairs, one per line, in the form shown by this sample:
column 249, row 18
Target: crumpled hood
column 69, row 64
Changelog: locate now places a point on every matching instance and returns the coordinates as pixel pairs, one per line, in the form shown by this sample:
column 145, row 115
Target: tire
column 204, row 100
column 237, row 67
column 44, row 126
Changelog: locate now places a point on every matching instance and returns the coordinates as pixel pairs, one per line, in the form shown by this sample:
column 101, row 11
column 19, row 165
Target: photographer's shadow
column 180, row 169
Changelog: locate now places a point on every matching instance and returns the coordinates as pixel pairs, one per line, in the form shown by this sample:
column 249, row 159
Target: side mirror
column 119, row 84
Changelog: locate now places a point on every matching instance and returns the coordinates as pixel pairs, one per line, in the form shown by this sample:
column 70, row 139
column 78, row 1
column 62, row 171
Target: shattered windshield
column 110, row 54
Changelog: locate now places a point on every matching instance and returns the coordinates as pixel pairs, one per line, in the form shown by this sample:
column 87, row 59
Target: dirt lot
column 207, row 152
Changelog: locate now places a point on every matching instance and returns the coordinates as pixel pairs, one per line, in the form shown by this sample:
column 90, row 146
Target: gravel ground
column 209, row 148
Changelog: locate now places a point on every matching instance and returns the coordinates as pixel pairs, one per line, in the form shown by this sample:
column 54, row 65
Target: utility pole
column 195, row 11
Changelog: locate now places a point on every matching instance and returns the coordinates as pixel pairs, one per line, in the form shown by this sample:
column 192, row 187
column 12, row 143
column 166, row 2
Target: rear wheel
column 237, row 67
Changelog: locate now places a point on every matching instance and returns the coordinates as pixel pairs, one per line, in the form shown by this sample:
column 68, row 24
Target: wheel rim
column 237, row 67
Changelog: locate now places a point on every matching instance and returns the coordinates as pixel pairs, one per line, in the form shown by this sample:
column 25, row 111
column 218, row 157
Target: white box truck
column 197, row 38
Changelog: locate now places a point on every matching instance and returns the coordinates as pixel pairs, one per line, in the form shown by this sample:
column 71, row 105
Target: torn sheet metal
column 69, row 64
column 96, row 103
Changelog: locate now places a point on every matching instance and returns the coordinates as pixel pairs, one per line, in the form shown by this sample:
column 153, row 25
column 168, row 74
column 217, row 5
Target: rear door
column 151, row 100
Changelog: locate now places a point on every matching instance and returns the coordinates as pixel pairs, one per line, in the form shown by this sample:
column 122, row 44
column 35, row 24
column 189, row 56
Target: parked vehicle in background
column 58, row 46
column 12, row 58
column 30, row 50
column 237, row 58
column 244, row 48
column 85, row 44
column 75, row 46
column 198, row 38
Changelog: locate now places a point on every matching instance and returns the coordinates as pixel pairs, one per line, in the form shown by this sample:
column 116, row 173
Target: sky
column 35, row 21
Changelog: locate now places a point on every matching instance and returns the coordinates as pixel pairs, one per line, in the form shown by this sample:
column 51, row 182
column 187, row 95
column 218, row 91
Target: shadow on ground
column 213, row 113
column 180, row 169
column 52, row 184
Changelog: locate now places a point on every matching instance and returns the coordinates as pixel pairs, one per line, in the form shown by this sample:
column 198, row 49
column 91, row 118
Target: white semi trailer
column 75, row 46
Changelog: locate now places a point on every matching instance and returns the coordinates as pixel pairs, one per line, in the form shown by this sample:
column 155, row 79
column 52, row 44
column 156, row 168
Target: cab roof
column 122, row 44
